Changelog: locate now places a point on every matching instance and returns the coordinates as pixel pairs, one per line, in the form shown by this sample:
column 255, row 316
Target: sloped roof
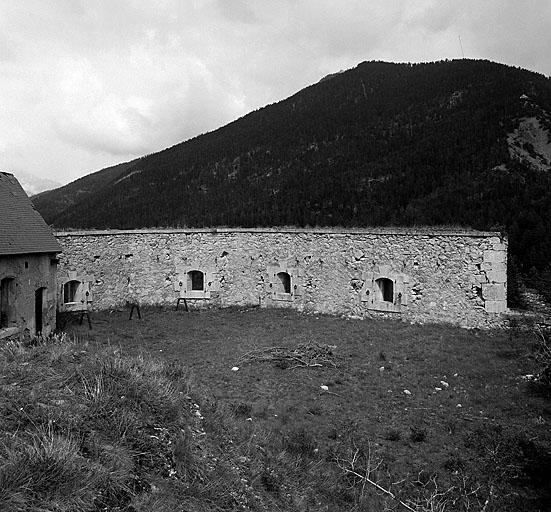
column 22, row 228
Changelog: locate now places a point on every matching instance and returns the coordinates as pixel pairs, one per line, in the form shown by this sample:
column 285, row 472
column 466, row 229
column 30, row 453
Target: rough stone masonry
column 419, row 275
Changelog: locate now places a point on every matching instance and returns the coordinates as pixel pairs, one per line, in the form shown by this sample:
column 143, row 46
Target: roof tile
column 22, row 228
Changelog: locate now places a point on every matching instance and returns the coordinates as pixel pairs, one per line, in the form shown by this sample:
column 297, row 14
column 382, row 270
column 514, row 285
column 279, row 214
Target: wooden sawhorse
column 178, row 303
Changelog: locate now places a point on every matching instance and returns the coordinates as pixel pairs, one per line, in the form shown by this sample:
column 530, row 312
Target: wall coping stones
column 400, row 231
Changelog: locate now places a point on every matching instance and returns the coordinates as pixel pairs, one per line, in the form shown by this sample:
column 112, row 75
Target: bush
column 299, row 441
column 417, row 435
column 393, row 434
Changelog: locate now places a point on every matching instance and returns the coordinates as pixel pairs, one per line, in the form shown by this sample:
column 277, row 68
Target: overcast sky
column 85, row 84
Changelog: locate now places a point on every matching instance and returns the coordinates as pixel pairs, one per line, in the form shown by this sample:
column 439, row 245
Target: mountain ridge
column 379, row 144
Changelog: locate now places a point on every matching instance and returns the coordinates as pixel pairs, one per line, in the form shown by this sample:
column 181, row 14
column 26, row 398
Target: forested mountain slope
column 456, row 142
column 74, row 194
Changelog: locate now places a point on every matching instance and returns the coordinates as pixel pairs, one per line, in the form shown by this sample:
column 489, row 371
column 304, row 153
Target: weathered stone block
column 493, row 292
column 495, row 306
column 477, row 279
column 495, row 256
column 494, row 266
column 496, row 276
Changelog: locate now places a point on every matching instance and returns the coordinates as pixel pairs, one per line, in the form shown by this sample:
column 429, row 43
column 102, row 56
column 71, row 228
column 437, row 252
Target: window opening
column 386, row 287
column 385, row 290
column 70, row 289
column 285, row 279
column 197, row 280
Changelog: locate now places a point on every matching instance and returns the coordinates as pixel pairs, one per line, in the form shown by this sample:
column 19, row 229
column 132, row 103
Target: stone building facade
column 28, row 265
column 419, row 275
column 27, row 295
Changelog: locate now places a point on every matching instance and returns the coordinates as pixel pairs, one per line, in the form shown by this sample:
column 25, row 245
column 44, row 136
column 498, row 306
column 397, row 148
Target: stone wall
column 419, row 275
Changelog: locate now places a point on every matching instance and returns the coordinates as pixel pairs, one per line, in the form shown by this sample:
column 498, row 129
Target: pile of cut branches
column 304, row 355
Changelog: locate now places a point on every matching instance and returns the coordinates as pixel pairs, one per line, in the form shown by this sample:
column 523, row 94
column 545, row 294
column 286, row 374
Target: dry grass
column 469, row 434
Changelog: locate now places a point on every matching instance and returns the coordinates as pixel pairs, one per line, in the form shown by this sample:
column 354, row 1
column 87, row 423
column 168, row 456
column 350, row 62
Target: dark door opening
column 38, row 301
column 7, row 310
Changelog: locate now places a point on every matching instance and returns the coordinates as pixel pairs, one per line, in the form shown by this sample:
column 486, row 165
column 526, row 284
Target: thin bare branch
column 365, row 478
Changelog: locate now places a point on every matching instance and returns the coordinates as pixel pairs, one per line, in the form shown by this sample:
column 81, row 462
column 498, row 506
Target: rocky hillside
column 455, row 142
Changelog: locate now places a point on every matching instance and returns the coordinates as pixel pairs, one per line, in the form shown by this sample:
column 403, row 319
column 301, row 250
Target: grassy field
column 386, row 416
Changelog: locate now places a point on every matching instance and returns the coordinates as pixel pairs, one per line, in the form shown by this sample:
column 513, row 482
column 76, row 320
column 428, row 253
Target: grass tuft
column 42, row 470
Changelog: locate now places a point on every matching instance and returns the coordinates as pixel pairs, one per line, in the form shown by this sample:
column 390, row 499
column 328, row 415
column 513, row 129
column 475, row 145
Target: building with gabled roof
column 28, row 265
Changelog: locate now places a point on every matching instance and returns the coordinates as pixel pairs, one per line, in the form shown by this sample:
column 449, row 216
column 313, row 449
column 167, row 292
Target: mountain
column 33, row 185
column 77, row 193
column 453, row 142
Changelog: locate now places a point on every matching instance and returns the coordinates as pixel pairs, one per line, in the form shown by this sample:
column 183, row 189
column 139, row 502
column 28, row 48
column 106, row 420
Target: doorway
column 7, row 306
column 38, row 308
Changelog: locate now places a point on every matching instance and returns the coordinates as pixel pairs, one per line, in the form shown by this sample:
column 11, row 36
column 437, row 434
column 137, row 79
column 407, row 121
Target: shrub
column 543, row 356
column 417, row 435
column 299, row 441
column 393, row 435
column 242, row 409
column 544, row 283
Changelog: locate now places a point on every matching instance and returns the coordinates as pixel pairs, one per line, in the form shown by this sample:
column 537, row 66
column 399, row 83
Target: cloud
column 89, row 84
column 515, row 33
column 239, row 11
